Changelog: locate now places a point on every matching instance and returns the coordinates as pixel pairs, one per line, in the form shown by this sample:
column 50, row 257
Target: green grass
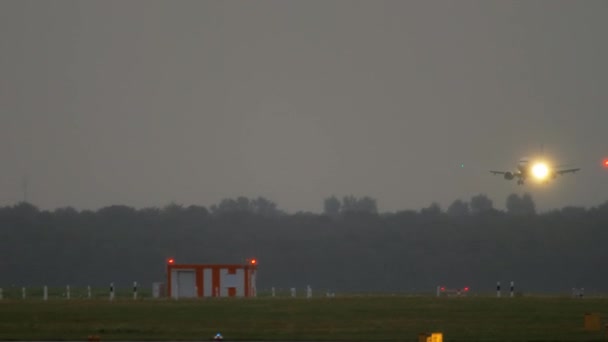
column 356, row 318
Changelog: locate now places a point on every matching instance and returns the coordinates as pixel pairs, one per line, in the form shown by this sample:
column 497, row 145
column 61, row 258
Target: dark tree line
column 349, row 247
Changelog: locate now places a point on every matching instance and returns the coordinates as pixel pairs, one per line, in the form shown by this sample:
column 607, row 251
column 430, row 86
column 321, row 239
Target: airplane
column 538, row 170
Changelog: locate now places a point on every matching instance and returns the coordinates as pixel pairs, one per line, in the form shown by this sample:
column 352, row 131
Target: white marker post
column 89, row 291
column 512, row 288
column 293, row 292
column 111, row 291
column 23, row 293
column 134, row 290
column 497, row 289
column 67, row 292
column 308, row 292
column 45, row 293
column 273, row 292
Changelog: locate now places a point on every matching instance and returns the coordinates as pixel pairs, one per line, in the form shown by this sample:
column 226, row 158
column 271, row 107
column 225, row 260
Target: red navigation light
column 442, row 288
column 466, row 289
column 253, row 261
column 605, row 163
column 171, row 261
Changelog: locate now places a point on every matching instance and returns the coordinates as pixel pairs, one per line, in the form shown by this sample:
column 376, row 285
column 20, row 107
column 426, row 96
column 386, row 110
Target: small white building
column 223, row 280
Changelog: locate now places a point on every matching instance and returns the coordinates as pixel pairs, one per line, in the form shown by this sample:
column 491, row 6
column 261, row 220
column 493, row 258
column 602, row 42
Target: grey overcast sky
column 144, row 103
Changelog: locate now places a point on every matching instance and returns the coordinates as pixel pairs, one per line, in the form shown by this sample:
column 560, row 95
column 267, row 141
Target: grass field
column 355, row 318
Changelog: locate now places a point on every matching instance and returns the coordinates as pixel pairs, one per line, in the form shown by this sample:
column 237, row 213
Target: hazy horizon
column 144, row 103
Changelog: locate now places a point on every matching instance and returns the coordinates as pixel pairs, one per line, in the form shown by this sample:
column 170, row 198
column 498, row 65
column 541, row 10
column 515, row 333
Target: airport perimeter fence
column 115, row 292
column 68, row 292
column 137, row 292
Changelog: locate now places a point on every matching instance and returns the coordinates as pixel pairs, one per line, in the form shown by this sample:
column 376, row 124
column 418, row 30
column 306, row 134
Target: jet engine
column 509, row 175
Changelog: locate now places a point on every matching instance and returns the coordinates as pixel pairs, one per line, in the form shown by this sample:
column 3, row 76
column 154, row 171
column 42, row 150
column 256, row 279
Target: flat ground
column 354, row 318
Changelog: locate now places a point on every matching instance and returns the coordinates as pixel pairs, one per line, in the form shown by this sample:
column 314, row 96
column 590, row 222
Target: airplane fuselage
column 523, row 168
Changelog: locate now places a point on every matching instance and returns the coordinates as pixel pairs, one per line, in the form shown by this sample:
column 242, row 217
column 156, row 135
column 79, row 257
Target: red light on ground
column 171, row 261
column 466, row 289
column 253, row 261
column 443, row 289
column 605, row 163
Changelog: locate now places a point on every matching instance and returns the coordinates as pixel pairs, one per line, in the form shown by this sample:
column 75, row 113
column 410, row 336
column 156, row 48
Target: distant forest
column 350, row 247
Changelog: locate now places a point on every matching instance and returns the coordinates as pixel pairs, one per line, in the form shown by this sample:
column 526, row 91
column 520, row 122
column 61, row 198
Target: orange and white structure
column 209, row 280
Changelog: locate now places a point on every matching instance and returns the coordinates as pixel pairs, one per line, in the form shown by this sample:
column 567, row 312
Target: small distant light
column 171, row 261
column 442, row 288
column 466, row 289
column 253, row 261
column 462, row 166
column 605, row 162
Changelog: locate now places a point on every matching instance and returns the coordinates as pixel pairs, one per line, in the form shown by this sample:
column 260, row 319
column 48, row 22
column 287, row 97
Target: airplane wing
column 561, row 172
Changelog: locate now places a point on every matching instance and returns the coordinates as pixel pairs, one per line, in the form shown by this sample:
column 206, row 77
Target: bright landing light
column 540, row 171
